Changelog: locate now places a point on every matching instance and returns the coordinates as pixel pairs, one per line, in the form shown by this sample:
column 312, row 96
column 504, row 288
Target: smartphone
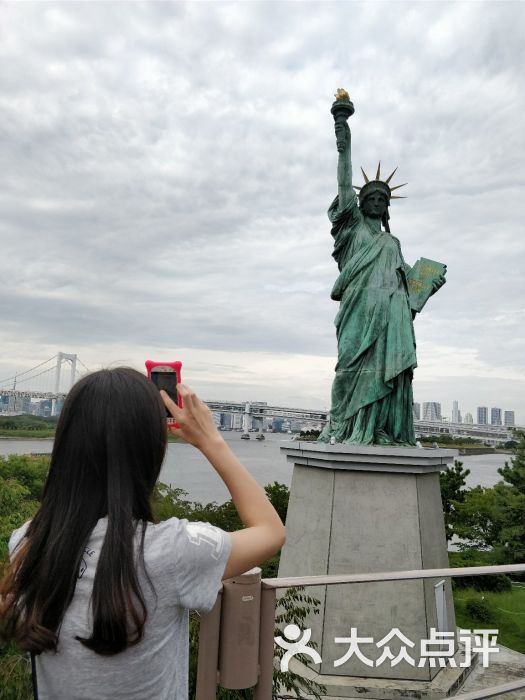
column 166, row 375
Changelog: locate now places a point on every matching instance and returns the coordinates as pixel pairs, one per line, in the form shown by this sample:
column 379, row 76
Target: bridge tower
column 63, row 357
column 246, row 424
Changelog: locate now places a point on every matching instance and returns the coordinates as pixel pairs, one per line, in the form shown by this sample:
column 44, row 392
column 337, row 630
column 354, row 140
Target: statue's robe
column 372, row 389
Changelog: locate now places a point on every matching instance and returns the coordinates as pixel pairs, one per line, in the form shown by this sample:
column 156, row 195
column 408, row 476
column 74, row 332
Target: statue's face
column 374, row 205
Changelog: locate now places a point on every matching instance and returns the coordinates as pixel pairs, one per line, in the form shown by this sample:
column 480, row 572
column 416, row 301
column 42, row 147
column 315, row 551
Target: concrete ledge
column 447, row 682
column 400, row 460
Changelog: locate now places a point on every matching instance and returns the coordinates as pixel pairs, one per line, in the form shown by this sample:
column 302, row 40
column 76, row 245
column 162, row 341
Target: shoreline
column 24, row 437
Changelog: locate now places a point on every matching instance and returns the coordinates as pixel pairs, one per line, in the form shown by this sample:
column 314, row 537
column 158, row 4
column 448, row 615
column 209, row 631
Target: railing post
column 264, row 687
column 208, row 660
column 239, row 636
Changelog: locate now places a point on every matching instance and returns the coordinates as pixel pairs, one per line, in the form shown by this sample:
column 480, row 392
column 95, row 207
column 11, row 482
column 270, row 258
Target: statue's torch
column 342, row 109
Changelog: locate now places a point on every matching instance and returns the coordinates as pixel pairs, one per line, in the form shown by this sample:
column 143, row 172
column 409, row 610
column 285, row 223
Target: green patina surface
column 372, row 389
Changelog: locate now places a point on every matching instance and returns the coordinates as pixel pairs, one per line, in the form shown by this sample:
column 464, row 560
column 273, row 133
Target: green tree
column 452, row 482
column 21, row 483
column 514, row 473
column 494, row 518
column 278, row 495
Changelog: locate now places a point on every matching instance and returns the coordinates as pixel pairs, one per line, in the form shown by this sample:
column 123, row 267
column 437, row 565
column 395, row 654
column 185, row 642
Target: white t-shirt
column 185, row 562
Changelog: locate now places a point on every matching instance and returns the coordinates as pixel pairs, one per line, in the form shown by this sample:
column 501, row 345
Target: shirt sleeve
column 202, row 551
column 16, row 537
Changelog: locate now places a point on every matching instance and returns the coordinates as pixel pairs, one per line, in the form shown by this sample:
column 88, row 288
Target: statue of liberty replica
column 371, row 503
column 379, row 296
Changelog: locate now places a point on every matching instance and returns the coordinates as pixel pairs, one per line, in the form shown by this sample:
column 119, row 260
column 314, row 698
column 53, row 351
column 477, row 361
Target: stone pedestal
column 357, row 509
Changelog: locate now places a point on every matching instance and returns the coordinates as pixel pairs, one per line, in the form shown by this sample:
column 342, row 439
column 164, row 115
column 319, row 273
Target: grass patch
column 507, row 614
column 15, row 674
column 27, row 433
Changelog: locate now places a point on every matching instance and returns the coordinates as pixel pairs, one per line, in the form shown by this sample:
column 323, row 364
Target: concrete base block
column 363, row 509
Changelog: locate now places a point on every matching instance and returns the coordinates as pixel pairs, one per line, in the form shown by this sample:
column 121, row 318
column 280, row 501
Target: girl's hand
column 196, row 424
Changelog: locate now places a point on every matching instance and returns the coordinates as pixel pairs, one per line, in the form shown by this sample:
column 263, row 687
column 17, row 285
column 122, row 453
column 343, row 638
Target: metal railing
column 252, row 651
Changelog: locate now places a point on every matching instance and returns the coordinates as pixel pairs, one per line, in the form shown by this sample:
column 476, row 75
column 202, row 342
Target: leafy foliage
column 494, row 518
column 446, row 439
column 21, row 483
column 479, row 609
column 452, row 482
column 27, row 422
column 497, row 583
column 514, row 473
column 309, row 434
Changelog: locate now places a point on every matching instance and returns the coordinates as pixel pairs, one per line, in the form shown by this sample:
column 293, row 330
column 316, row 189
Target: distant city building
column 226, row 421
column 495, row 416
column 455, row 412
column 469, row 419
column 237, row 421
column 277, row 425
column 509, row 419
column 432, row 411
column 483, row 415
column 416, row 411
column 19, row 404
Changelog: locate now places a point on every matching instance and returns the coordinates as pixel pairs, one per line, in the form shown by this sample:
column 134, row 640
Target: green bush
column 496, row 583
column 479, row 609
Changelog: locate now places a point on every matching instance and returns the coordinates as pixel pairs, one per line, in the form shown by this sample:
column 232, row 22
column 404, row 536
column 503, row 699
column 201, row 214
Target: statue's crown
column 378, row 185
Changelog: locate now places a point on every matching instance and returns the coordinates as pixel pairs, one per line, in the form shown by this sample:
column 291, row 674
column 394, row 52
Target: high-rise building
column 19, row 404
column 226, row 421
column 237, row 421
column 416, row 411
column 483, row 415
column 455, row 412
column 277, row 425
column 509, row 419
column 495, row 416
column 468, row 418
column 432, row 411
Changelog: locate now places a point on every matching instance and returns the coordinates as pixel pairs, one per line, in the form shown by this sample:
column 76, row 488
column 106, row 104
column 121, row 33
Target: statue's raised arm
column 342, row 109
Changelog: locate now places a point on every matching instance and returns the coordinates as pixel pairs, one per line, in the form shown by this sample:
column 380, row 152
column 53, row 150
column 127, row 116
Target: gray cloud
column 166, row 169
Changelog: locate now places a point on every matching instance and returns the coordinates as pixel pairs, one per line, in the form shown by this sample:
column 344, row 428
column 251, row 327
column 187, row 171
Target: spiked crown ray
column 378, row 185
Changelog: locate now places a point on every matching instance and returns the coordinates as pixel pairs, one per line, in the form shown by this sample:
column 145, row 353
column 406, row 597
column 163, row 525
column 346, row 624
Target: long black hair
column 109, row 447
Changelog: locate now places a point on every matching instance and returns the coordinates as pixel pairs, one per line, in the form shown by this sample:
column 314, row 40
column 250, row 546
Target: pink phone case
column 177, row 366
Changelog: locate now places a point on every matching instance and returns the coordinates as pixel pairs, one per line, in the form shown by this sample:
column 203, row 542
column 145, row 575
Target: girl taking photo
column 96, row 589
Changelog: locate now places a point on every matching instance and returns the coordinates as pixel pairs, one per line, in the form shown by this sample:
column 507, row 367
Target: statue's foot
column 382, row 438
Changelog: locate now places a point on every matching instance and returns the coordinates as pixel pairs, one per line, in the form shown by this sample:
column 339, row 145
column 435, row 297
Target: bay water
column 185, row 467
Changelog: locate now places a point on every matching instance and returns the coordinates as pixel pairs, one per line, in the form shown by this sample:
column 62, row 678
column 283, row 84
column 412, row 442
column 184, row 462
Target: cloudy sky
column 166, row 169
